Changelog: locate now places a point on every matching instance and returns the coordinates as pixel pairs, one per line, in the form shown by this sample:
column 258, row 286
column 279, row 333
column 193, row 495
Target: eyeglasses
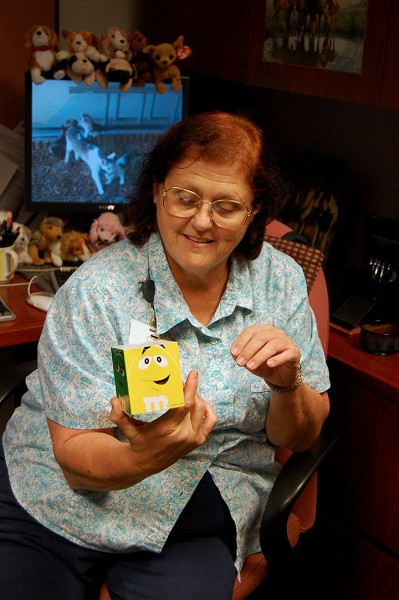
column 183, row 203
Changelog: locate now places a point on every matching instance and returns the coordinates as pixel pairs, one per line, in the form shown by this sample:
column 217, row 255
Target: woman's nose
column 203, row 217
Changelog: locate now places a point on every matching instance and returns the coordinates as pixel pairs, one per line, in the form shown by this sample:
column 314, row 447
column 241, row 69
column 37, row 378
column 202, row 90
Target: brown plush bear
column 142, row 62
column 49, row 244
column 164, row 57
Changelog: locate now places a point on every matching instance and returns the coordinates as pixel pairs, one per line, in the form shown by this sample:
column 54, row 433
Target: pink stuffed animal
column 105, row 230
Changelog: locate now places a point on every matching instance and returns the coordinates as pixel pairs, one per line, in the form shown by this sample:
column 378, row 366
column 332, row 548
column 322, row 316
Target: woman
column 166, row 506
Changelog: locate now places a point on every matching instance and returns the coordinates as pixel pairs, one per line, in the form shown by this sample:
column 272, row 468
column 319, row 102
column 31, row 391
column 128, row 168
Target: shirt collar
column 170, row 306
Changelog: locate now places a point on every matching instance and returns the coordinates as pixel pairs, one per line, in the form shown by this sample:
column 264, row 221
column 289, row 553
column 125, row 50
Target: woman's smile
column 196, row 247
column 197, row 240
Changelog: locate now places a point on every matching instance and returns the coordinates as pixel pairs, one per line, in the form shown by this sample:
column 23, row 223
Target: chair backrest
column 318, row 293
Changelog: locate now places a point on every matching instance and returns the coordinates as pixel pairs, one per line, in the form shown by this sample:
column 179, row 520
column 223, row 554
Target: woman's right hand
column 94, row 459
column 160, row 443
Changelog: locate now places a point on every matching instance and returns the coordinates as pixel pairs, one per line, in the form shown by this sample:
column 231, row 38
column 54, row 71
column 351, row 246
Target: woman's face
column 196, row 247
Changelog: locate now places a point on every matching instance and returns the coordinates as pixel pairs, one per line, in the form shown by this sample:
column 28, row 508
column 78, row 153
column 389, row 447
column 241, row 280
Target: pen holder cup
column 8, row 263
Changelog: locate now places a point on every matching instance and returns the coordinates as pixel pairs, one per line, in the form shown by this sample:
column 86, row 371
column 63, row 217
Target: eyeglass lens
column 184, row 203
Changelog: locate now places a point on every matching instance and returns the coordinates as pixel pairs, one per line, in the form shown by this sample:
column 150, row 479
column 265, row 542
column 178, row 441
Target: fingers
column 202, row 415
column 117, row 413
column 121, row 419
column 191, row 424
column 190, row 389
column 264, row 345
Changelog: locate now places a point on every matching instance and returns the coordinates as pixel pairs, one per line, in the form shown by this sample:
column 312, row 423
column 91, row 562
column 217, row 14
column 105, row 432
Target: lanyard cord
column 147, row 288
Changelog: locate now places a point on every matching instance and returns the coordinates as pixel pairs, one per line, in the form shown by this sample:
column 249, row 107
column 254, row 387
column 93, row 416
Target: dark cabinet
column 359, row 485
column 227, row 38
column 366, row 471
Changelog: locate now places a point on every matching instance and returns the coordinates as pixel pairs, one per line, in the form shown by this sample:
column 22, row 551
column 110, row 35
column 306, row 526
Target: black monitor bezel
column 67, row 208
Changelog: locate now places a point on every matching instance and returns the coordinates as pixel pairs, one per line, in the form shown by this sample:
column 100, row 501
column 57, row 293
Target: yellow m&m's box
column 148, row 376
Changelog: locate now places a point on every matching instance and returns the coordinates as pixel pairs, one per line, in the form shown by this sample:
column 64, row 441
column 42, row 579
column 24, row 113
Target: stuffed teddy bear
column 44, row 45
column 51, row 229
column 142, row 62
column 74, row 246
column 105, row 230
column 164, row 57
column 21, row 243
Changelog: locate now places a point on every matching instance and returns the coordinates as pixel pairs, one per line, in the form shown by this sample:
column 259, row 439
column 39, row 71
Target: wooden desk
column 28, row 325
column 359, row 483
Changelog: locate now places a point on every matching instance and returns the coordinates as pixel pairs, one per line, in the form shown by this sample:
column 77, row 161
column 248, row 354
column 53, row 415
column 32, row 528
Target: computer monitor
column 85, row 145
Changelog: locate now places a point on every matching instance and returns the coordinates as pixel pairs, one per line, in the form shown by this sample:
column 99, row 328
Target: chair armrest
column 292, row 479
column 12, row 380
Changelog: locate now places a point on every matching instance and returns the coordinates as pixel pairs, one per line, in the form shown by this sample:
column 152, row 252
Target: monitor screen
column 85, row 145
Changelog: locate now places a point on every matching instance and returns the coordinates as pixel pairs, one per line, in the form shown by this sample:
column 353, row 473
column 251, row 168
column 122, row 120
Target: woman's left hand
column 269, row 353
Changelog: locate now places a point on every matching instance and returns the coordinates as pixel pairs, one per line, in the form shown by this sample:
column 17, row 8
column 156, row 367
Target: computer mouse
column 41, row 301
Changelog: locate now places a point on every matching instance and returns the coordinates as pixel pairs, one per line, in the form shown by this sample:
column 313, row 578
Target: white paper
column 139, row 332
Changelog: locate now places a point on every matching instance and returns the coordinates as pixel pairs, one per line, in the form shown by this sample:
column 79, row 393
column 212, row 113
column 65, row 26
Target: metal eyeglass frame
column 210, row 204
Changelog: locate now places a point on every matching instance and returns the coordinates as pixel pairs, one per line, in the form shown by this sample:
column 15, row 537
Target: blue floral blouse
column 74, row 384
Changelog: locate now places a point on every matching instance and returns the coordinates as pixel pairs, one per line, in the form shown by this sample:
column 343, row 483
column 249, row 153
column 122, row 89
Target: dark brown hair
column 218, row 137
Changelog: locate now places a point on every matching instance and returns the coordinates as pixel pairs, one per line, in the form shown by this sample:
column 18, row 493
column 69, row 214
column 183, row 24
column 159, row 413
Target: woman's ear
column 157, row 191
column 254, row 212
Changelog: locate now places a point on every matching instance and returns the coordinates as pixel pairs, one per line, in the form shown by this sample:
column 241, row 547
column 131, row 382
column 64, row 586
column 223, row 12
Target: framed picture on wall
column 326, row 34
column 328, row 48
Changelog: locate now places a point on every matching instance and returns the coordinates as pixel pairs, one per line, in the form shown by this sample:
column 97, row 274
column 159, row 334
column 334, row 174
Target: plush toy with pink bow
column 164, row 57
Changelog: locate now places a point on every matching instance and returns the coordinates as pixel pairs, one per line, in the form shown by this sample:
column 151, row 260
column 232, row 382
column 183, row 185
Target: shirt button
column 220, row 385
column 214, row 341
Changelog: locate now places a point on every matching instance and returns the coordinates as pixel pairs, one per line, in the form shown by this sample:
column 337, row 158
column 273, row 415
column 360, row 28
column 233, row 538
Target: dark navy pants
column 197, row 562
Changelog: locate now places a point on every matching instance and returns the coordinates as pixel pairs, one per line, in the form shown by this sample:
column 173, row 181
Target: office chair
column 291, row 508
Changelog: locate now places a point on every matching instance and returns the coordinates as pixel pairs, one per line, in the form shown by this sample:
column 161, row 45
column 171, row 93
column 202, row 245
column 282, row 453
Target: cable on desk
column 31, row 280
column 14, row 284
column 30, row 284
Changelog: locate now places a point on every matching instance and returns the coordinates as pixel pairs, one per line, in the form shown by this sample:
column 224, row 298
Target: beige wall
column 81, row 14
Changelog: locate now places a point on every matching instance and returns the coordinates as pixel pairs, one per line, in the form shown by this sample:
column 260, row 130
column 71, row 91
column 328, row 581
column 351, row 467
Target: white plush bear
column 22, row 242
